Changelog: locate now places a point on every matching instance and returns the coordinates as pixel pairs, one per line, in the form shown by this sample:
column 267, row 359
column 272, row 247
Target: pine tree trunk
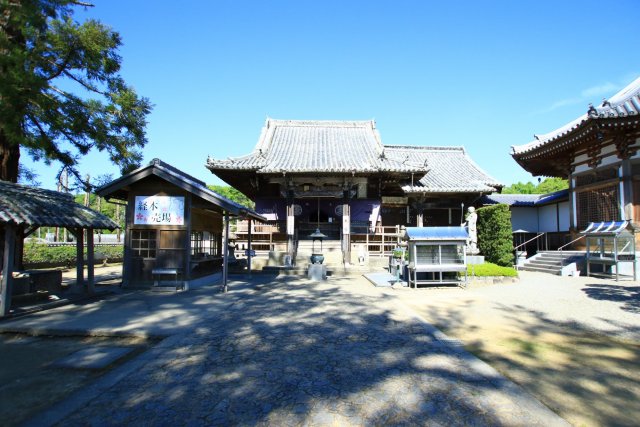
column 9, row 159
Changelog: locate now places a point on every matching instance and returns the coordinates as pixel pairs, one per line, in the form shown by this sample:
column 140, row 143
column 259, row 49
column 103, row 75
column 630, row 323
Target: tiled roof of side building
column 317, row 146
column 525, row 199
column 450, row 170
column 27, row 206
column 625, row 103
column 181, row 179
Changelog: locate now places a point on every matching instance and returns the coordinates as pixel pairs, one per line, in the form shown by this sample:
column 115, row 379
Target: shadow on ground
column 629, row 296
column 285, row 352
column 588, row 379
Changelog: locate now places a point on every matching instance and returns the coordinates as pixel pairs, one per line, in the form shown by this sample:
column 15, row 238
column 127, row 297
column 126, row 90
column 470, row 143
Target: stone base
column 317, row 272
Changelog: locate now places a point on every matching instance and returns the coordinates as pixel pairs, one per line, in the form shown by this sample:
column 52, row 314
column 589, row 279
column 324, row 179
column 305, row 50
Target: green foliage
column 61, row 91
column 66, row 255
column 109, row 209
column 495, row 240
column 549, row 185
column 232, row 194
column 489, row 269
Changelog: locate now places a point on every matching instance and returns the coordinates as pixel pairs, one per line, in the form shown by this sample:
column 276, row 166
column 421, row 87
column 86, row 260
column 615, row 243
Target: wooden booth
column 175, row 227
column 23, row 210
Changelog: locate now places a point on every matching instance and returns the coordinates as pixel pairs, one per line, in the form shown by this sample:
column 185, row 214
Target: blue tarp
column 437, row 233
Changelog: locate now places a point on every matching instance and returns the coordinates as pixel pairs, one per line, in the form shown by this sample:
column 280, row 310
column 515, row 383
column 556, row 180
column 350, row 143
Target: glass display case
column 612, row 246
column 437, row 255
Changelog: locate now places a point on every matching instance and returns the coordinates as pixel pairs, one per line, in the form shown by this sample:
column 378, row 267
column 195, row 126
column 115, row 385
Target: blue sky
column 482, row 74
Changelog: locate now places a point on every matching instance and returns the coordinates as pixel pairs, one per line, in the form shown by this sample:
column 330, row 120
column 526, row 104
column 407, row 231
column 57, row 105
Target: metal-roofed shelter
column 437, row 255
column 610, row 244
column 174, row 226
column 338, row 176
column 24, row 209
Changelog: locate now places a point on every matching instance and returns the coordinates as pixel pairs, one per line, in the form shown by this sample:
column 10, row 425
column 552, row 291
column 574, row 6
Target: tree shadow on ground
column 589, row 379
column 628, row 296
column 289, row 352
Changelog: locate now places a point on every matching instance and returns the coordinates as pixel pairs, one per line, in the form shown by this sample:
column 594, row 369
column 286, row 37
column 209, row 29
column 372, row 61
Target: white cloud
column 590, row 94
column 607, row 88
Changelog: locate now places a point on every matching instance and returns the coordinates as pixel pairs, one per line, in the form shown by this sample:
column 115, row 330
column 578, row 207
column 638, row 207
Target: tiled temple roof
column 296, row 146
column 34, row 207
column 450, row 170
column 624, row 104
column 317, row 146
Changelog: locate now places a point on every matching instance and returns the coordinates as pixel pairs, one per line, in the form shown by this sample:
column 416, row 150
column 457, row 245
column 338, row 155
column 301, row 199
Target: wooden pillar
column 627, row 191
column 290, row 230
column 186, row 267
column 225, row 256
column 419, row 219
column 90, row 262
column 346, row 233
column 7, row 269
column 249, row 221
column 79, row 259
column 19, row 250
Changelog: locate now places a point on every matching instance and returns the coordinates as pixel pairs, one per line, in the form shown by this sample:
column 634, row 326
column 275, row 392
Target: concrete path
column 284, row 352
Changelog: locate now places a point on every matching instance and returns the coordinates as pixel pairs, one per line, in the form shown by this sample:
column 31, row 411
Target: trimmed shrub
column 489, row 269
column 37, row 253
column 495, row 239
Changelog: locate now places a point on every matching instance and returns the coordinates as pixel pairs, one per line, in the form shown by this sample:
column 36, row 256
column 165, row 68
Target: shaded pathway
column 291, row 352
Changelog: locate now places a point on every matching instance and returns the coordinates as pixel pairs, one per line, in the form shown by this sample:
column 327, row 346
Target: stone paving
column 293, row 352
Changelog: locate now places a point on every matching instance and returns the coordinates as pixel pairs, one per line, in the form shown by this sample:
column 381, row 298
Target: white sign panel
column 290, row 225
column 159, row 210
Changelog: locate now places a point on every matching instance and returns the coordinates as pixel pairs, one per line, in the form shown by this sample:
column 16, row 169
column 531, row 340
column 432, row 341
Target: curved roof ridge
column 332, row 123
column 426, row 147
column 625, row 102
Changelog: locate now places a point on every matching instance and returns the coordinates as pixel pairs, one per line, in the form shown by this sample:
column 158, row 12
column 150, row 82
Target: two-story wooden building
column 338, row 176
column 599, row 154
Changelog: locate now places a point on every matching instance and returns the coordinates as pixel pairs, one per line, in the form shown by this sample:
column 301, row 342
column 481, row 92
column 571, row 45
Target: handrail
column 530, row 240
column 571, row 242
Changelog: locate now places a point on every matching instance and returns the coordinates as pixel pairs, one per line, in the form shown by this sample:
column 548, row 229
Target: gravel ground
column 597, row 305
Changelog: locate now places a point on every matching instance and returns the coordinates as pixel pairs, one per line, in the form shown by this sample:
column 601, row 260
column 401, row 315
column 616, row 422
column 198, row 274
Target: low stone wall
column 480, row 281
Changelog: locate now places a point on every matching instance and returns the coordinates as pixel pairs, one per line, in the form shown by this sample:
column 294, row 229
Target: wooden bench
column 156, row 273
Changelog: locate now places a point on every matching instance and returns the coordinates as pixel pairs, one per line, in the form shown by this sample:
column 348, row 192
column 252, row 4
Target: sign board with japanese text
column 159, row 210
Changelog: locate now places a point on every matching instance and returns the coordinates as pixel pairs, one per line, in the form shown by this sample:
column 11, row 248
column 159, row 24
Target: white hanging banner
column 159, row 210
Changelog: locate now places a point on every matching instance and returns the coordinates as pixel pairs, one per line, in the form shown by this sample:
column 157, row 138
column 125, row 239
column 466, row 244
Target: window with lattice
column 143, row 243
column 600, row 204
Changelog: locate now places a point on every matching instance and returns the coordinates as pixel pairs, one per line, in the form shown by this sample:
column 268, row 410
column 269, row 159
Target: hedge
column 490, row 269
column 35, row 253
column 495, row 239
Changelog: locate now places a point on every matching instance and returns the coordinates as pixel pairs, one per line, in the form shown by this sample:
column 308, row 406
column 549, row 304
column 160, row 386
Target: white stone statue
column 472, row 219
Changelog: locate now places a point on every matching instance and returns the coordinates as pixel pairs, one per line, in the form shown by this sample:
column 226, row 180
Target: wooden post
column 79, row 259
column 290, row 230
column 7, row 269
column 249, row 246
column 346, row 233
column 225, row 259
column 90, row 262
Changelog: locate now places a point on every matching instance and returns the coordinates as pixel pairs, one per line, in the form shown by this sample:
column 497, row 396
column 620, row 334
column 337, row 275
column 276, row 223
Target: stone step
column 543, row 263
column 555, row 272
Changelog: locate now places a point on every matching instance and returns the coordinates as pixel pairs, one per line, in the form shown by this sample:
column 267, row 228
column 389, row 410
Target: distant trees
column 232, row 194
column 549, row 185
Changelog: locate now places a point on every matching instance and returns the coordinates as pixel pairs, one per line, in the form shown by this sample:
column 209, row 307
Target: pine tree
column 43, row 52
